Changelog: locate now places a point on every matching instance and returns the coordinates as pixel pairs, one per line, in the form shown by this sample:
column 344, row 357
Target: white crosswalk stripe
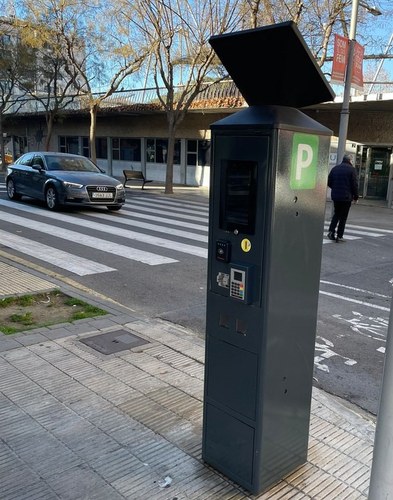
column 163, row 210
column 165, row 220
column 180, row 235
column 74, row 236
column 89, row 241
column 189, row 207
column 353, row 232
column 108, row 229
column 131, row 221
column 163, row 230
column 372, row 230
column 59, row 258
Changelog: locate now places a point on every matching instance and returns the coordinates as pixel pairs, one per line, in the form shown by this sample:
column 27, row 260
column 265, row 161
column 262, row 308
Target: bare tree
column 377, row 79
column 178, row 34
column 14, row 63
column 319, row 20
column 94, row 55
column 316, row 19
column 52, row 81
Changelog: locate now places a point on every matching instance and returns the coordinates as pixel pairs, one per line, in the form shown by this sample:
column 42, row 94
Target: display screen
column 237, row 276
column 238, row 200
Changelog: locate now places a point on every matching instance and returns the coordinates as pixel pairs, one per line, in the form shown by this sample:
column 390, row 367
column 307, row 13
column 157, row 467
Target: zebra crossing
column 354, row 232
column 143, row 222
column 149, row 229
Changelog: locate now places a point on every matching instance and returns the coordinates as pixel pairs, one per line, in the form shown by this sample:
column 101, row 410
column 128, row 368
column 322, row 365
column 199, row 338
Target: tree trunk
column 171, row 150
column 169, row 165
column 49, row 129
column 2, row 158
column 92, row 137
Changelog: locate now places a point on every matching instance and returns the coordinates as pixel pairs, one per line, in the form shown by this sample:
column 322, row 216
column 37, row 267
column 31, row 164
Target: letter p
column 304, row 161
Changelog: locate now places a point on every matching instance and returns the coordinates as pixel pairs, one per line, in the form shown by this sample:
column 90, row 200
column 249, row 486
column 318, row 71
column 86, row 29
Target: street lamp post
column 344, row 115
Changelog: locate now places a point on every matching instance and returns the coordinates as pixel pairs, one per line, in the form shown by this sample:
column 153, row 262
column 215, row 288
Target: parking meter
column 267, row 205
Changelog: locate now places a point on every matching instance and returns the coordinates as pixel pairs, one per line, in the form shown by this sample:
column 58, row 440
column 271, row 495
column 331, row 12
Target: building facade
column 130, row 136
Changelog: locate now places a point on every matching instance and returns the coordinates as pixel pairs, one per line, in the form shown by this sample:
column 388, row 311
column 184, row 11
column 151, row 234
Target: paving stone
column 75, row 423
column 7, row 343
column 80, row 482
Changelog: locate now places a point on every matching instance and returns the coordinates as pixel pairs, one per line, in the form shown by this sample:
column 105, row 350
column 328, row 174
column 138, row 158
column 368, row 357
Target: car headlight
column 120, row 186
column 73, row 185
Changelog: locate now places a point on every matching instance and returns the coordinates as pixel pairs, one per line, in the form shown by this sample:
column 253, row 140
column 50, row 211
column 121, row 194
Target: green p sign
column 304, row 161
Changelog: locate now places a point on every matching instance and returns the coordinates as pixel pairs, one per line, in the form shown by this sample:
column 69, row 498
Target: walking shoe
column 340, row 240
column 331, row 236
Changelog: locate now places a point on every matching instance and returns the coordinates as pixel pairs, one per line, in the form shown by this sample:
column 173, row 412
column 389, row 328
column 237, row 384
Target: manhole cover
column 111, row 342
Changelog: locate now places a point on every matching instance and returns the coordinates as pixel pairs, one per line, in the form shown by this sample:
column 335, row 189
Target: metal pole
column 344, row 115
column 381, row 481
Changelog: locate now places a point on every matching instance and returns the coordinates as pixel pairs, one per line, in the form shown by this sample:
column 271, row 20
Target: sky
column 374, row 33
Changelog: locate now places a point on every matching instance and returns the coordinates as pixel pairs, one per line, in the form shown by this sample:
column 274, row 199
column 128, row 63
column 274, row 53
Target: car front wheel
column 52, row 198
column 11, row 191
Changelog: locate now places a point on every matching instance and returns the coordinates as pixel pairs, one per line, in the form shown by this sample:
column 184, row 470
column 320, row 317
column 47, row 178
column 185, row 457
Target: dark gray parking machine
column 267, row 205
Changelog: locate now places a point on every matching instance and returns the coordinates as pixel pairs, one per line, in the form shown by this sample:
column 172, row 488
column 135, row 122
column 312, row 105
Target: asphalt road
column 354, row 303
column 151, row 256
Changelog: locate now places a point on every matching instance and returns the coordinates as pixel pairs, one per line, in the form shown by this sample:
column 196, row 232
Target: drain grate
column 111, row 342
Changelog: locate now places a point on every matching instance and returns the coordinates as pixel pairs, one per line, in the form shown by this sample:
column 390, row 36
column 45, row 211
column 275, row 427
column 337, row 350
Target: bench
column 135, row 175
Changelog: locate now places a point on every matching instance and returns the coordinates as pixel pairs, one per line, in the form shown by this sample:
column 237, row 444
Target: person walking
column 343, row 181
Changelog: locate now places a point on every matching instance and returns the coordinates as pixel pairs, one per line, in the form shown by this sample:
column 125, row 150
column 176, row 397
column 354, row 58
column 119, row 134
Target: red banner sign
column 340, row 61
column 357, row 72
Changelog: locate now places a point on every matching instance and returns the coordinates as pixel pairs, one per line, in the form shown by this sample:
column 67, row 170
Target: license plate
column 102, row 195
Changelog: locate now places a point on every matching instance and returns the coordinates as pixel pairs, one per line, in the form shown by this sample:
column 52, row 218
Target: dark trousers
column 341, row 211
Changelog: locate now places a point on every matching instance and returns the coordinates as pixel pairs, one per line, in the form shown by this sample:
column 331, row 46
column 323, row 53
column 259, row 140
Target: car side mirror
column 37, row 167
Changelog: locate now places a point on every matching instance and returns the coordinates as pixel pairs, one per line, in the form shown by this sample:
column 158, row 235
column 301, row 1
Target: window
column 101, row 147
column 62, row 144
column 69, row 144
column 128, row 149
column 157, row 151
column 38, row 161
column 198, row 152
column 151, row 150
column 204, row 153
column 26, row 159
column 192, row 148
column 20, row 146
column 85, row 147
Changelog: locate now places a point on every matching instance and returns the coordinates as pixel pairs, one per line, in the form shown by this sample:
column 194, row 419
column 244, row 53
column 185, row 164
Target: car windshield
column 68, row 164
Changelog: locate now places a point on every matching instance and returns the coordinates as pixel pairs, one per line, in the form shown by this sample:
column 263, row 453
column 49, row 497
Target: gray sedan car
column 63, row 179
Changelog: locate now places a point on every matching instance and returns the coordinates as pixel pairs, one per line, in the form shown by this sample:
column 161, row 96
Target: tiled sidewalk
column 79, row 424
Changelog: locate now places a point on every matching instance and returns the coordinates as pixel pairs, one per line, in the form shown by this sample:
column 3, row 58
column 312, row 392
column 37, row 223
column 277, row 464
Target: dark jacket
column 343, row 181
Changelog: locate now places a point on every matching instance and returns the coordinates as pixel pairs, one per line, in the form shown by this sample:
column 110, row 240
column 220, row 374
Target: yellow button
column 245, row 245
